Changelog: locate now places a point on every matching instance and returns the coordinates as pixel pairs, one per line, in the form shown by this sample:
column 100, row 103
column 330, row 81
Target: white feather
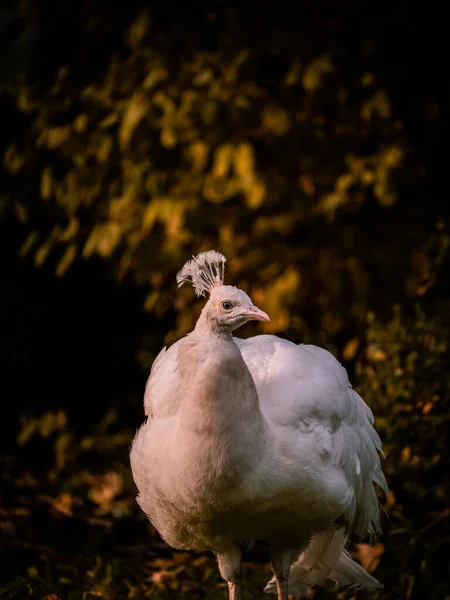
column 326, row 563
column 307, row 385
column 205, row 271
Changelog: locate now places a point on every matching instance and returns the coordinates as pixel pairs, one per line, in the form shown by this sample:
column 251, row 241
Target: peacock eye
column 227, row 305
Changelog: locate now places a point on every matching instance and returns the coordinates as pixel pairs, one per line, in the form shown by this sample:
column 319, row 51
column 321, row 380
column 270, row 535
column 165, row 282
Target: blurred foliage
column 308, row 144
column 404, row 374
column 249, row 143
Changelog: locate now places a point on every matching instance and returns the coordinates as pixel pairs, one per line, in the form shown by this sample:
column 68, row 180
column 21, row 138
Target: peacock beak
column 253, row 313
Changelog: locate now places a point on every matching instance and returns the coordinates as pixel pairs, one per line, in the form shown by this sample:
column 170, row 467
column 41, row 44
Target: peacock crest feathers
column 205, row 271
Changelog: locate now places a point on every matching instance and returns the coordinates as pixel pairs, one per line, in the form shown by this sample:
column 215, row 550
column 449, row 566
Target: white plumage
column 256, row 439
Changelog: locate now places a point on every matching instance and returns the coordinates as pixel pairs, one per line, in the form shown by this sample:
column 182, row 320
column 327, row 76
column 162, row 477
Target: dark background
column 309, row 145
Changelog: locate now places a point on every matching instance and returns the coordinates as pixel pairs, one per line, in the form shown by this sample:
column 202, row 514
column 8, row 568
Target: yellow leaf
column 226, row 234
column 57, row 136
column 378, row 104
column 242, row 101
column 255, row 194
column 222, row 160
column 203, row 78
column 24, row 102
column 168, row 138
column 406, row 455
column 367, row 79
column 156, row 209
column 42, row 253
column 30, row 240
column 209, row 112
column 122, row 209
column 109, row 121
column 26, row 432
column 170, row 212
column 280, row 223
column 66, row 260
column 344, row 181
column 86, row 443
column 108, row 239
column 367, row 177
column 80, row 124
column 136, row 110
column 231, row 73
column 350, row 349
column 306, row 183
column 47, row 424
column 219, row 189
column 275, row 299
column 315, row 72
column 275, row 120
column 104, row 149
column 427, row 408
column 138, row 29
column 375, row 353
column 390, row 500
column 150, row 301
column 21, row 212
column 104, row 239
column 63, row 504
column 383, row 194
column 61, row 419
column 70, row 231
column 244, row 160
column 331, row 202
column 198, row 153
column 392, row 157
column 46, row 183
column 12, row 160
column 156, row 75
column 293, row 76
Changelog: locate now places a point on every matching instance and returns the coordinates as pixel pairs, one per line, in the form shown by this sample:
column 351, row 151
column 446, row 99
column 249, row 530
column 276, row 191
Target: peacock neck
column 218, row 389
column 221, row 426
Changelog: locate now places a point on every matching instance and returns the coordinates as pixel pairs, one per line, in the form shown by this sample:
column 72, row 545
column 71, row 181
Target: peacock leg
column 281, row 561
column 231, row 571
column 234, row 589
column 282, row 589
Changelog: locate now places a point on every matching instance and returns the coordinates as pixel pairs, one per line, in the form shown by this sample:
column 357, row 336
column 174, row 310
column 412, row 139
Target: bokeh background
column 306, row 141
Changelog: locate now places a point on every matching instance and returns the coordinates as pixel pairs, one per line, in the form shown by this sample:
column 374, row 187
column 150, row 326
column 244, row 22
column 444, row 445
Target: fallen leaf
column 369, row 556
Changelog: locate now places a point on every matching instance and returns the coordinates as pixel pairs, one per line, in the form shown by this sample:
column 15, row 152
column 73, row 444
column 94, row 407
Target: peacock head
column 228, row 307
